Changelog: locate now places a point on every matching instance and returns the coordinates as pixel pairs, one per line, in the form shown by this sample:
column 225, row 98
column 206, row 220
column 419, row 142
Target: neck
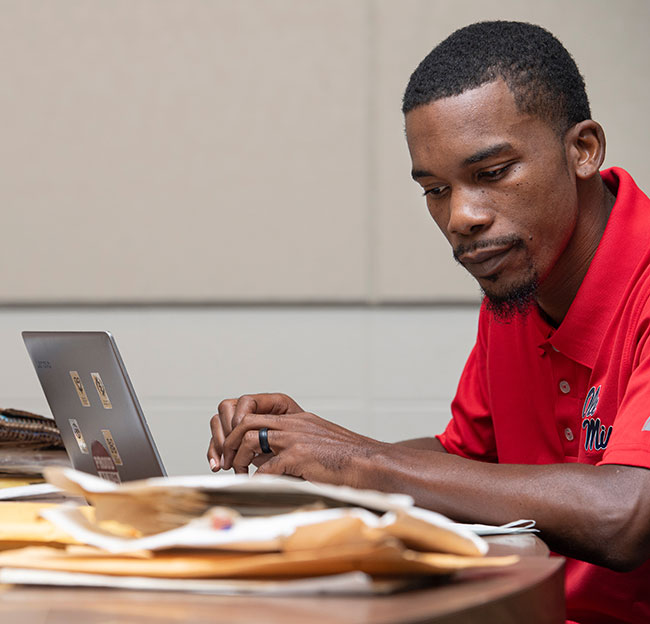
column 559, row 288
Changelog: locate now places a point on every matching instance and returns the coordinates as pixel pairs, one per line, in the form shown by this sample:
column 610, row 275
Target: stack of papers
column 237, row 534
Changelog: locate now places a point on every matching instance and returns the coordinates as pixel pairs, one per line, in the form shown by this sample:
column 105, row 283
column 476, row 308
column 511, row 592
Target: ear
column 585, row 145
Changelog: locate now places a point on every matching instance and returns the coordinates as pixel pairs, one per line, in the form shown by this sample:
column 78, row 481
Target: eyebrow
column 476, row 157
column 488, row 152
column 420, row 173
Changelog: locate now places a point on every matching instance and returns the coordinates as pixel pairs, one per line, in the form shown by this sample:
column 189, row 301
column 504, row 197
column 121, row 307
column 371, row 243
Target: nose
column 468, row 214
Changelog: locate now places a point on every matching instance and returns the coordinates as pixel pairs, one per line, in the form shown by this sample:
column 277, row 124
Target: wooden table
column 532, row 591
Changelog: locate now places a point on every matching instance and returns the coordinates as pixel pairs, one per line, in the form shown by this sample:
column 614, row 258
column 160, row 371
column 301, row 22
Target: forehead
column 459, row 126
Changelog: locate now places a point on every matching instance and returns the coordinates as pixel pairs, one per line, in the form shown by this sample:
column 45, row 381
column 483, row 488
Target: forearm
column 583, row 511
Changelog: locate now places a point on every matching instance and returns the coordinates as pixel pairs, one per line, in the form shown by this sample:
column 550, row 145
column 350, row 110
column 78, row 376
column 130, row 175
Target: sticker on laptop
column 101, row 391
column 79, row 387
column 112, row 447
column 104, row 463
column 78, row 436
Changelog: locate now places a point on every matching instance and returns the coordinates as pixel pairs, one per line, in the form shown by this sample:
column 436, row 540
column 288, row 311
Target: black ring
column 264, row 440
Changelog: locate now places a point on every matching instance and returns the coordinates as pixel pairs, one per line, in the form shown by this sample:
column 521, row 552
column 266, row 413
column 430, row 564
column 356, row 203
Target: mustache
column 502, row 241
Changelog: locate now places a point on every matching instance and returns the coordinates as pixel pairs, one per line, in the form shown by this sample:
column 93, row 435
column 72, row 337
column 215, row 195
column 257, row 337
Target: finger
column 226, row 412
column 212, row 457
column 249, row 423
column 215, row 450
column 269, row 403
column 250, row 451
column 243, row 445
column 215, row 458
column 247, row 452
column 246, row 404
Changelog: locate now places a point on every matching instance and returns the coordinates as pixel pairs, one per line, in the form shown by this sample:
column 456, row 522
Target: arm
column 599, row 514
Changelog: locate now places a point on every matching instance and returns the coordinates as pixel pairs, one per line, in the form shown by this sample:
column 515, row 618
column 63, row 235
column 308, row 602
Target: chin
column 514, row 300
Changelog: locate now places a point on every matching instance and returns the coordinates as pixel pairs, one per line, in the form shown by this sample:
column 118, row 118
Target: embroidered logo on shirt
column 596, row 435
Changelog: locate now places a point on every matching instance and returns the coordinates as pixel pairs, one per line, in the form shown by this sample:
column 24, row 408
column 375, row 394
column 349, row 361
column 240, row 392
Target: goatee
column 519, row 300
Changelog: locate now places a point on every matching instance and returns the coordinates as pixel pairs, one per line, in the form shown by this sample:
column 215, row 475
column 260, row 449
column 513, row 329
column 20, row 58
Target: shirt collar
column 623, row 247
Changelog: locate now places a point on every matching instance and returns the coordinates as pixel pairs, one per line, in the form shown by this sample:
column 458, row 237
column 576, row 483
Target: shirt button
column 568, row 434
column 565, row 387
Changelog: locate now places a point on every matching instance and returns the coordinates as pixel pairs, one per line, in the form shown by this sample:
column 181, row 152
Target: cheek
column 546, row 206
column 548, row 233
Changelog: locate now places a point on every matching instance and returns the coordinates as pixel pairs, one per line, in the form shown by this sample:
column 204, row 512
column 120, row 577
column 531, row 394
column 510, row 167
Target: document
column 226, row 533
column 32, row 490
column 349, row 583
column 260, row 512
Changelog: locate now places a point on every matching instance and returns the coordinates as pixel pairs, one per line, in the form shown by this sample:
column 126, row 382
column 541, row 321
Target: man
column 552, row 416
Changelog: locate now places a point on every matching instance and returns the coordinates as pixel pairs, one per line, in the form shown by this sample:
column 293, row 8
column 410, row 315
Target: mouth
column 487, row 262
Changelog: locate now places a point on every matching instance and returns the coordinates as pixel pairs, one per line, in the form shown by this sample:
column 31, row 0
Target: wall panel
column 183, row 151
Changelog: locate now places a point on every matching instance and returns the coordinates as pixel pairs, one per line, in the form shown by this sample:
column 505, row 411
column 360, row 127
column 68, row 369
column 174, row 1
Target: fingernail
column 213, row 464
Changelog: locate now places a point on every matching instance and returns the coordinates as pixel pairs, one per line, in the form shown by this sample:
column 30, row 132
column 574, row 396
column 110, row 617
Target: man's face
column 497, row 184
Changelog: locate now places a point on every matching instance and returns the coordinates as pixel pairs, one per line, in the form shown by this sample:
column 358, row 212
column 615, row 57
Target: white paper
column 28, row 491
column 348, row 583
column 517, row 526
column 199, row 533
column 259, row 484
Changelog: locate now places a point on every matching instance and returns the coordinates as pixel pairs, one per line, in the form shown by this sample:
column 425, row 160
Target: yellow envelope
column 377, row 560
column 20, row 525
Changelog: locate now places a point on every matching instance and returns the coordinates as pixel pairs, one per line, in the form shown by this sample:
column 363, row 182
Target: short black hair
column 542, row 76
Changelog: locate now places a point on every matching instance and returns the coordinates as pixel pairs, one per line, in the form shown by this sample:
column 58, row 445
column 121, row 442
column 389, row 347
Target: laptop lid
column 94, row 405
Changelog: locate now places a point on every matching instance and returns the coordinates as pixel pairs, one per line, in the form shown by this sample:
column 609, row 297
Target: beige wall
column 249, row 150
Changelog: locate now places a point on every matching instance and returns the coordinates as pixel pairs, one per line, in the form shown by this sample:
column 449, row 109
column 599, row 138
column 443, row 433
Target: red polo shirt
column 532, row 394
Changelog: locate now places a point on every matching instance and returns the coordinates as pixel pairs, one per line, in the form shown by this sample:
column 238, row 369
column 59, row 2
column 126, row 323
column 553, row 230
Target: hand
column 303, row 445
column 230, row 413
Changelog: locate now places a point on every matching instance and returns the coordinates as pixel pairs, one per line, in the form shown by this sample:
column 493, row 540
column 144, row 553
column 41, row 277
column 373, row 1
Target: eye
column 436, row 191
column 493, row 174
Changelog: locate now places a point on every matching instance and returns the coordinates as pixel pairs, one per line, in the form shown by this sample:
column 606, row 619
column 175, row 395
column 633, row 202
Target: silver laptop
column 94, row 405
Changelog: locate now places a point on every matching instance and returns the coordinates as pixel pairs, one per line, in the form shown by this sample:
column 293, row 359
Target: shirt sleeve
column 470, row 432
